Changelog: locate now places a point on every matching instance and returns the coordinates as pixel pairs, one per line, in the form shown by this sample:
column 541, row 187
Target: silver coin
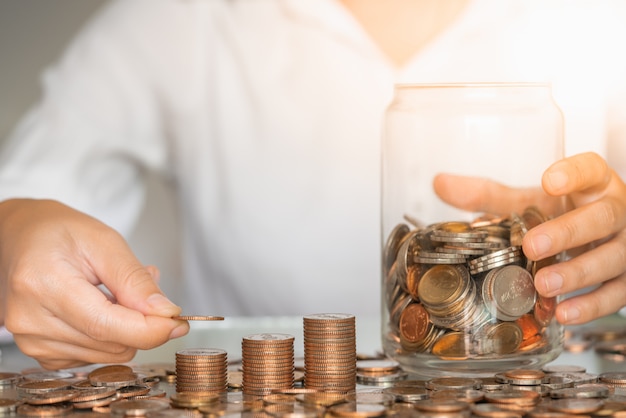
column 587, row 390
column 563, row 368
column 513, row 291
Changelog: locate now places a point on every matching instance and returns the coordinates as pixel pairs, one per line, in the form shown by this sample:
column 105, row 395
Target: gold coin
column 358, row 410
column 116, row 380
column 134, row 408
column 112, row 368
column 95, row 392
column 453, row 345
column 414, row 323
column 44, row 410
column 132, row 391
column 442, row 284
column 500, row 338
column 96, row 403
column 441, row 405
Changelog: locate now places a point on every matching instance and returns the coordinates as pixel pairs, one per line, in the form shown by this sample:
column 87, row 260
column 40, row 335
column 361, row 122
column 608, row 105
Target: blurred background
column 33, row 34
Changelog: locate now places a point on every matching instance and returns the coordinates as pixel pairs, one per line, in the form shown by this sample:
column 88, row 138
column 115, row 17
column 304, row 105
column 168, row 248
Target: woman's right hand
column 53, row 260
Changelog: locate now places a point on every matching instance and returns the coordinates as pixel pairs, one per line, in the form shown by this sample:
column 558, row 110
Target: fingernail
column 179, row 331
column 541, row 244
column 571, row 314
column 553, row 283
column 557, row 179
column 160, row 303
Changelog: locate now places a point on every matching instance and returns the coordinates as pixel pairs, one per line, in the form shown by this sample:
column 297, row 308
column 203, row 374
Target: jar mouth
column 487, row 84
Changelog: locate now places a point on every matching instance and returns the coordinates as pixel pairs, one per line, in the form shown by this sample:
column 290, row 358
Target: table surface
column 227, row 335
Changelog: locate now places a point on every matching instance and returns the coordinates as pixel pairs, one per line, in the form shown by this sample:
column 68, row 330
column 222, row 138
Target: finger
column 132, row 328
column 575, row 228
column 586, row 172
column 93, row 315
column 155, row 273
column 588, row 269
column 477, row 194
column 56, row 354
column 608, row 298
column 129, row 281
column 42, row 326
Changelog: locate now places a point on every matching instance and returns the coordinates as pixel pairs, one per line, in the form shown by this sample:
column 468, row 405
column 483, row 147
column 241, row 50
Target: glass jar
column 458, row 295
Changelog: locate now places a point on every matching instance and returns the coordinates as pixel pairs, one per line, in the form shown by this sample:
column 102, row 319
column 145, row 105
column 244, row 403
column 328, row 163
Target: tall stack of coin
column 201, row 370
column 267, row 362
column 330, row 352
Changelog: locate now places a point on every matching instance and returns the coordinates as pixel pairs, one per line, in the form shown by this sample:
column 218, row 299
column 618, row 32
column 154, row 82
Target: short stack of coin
column 330, row 352
column 201, row 370
column 267, row 363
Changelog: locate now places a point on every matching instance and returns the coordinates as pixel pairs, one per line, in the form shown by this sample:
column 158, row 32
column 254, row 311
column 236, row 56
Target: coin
column 513, row 396
column 465, row 395
column 408, row 393
column 95, row 392
column 414, row 323
column 377, row 366
column 55, row 396
column 357, row 410
column 613, row 378
column 491, row 410
column 114, row 379
column 441, row 405
column 9, row 378
column 453, row 345
column 135, row 408
column 576, row 406
column 132, row 391
column 449, row 382
column 393, row 244
column 37, row 387
column 8, row 406
column 524, row 377
column 198, row 318
column 587, row 390
column 442, row 284
column 513, row 292
column 111, row 368
column 44, row 410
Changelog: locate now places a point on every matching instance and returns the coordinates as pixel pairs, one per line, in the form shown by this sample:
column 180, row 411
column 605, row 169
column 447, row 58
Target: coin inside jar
column 470, row 278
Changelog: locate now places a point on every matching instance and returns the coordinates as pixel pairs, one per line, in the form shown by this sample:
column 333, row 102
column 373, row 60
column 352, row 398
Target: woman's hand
column 53, row 261
column 596, row 223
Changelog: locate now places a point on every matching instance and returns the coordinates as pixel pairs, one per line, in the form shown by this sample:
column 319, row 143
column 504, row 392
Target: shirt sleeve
column 98, row 125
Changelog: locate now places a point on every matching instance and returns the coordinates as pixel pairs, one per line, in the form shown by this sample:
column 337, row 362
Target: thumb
column 132, row 284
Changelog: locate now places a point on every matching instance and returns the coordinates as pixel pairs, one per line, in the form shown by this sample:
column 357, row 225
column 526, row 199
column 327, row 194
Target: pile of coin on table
column 461, row 290
column 341, row 384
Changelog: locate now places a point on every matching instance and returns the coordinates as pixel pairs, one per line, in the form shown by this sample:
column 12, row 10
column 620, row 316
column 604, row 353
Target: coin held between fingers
column 198, row 318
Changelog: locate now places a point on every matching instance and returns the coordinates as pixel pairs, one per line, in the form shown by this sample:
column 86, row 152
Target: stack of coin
column 449, row 295
column 201, row 370
column 330, row 352
column 114, row 376
column 267, row 363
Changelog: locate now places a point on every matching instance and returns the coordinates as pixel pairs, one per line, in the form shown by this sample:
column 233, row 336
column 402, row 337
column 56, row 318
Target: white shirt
column 267, row 116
